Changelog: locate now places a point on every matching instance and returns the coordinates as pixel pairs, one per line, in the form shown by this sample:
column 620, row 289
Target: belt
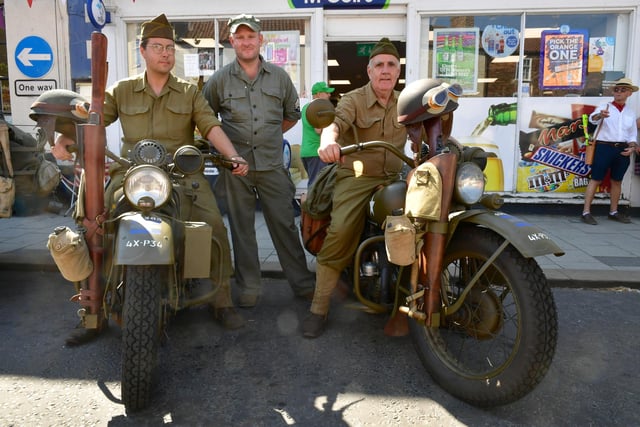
column 614, row 143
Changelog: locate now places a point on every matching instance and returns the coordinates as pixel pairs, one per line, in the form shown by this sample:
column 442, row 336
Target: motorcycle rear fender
column 144, row 241
column 528, row 239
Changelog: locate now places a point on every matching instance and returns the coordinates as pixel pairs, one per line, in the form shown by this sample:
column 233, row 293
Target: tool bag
column 316, row 209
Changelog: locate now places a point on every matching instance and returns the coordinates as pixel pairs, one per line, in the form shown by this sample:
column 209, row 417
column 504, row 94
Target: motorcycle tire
column 140, row 333
column 499, row 345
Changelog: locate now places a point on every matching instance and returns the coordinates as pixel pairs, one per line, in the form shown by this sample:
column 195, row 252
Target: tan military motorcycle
column 138, row 263
column 436, row 250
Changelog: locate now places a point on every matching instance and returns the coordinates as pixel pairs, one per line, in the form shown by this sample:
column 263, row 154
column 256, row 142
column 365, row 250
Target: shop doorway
column 347, row 64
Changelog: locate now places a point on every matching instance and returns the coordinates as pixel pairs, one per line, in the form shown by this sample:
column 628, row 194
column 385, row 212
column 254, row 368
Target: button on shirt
column 252, row 112
column 620, row 126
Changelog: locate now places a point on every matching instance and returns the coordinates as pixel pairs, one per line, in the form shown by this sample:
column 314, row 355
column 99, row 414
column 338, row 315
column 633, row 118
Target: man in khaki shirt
column 372, row 109
column 158, row 105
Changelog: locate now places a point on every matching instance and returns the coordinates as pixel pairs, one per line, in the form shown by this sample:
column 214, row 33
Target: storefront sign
column 563, row 59
column 340, row 4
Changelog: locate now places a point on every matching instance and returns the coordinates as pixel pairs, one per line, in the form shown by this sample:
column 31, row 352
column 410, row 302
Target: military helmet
column 62, row 104
column 427, row 98
column 59, row 110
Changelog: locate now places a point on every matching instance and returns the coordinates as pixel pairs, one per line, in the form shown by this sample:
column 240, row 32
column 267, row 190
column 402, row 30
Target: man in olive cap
column 257, row 103
column 311, row 136
column 152, row 105
column 372, row 109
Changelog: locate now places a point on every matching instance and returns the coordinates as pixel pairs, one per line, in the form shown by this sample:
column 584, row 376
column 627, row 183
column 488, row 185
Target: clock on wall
column 97, row 13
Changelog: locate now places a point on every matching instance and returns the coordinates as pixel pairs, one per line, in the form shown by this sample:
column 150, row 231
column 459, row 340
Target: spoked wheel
column 500, row 343
column 140, row 333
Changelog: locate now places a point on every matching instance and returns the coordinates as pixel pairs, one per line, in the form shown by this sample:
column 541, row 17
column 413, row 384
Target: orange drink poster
column 563, row 59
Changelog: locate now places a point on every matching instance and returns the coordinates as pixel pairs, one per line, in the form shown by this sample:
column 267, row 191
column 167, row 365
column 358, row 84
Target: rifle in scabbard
column 92, row 138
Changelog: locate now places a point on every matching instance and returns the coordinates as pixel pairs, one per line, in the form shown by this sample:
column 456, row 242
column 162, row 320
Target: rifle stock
column 93, row 142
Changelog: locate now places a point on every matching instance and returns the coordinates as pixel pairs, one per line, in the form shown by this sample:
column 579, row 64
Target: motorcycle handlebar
column 350, row 149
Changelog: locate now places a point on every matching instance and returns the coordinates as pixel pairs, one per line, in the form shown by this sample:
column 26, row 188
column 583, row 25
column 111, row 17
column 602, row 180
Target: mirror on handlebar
column 320, row 113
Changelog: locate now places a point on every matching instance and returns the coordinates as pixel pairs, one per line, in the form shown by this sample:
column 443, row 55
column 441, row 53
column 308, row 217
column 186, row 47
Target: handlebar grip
column 349, row 149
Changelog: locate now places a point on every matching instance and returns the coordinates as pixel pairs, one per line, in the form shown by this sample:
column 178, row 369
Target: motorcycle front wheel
column 499, row 345
column 140, row 333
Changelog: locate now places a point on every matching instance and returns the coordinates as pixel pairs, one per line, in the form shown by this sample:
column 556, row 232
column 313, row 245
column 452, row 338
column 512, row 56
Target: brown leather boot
column 326, row 280
column 81, row 335
column 229, row 318
column 313, row 326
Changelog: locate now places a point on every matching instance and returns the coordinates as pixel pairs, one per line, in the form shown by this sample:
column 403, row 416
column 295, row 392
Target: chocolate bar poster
column 538, row 142
column 563, row 59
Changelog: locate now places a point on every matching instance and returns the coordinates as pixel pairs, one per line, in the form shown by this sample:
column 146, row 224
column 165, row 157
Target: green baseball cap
column 321, row 87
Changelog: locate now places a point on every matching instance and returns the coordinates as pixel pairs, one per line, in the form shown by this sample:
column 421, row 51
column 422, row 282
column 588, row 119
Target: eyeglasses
column 620, row 89
column 158, row 48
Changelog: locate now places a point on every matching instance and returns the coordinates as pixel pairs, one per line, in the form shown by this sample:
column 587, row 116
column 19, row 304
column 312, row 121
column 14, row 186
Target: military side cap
column 158, row 27
column 248, row 20
column 384, row 46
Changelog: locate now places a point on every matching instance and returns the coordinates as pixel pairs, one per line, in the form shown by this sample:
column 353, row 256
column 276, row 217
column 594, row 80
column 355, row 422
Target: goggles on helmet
column 437, row 98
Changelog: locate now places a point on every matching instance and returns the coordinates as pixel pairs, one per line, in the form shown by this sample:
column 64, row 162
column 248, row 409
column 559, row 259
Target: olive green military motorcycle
column 436, row 253
column 137, row 263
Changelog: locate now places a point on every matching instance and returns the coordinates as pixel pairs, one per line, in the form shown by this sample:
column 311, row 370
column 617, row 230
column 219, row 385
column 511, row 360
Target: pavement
column 606, row 255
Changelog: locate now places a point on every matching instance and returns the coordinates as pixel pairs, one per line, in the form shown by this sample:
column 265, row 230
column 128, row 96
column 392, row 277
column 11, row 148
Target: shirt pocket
column 369, row 128
column 179, row 120
column 235, row 106
column 134, row 120
column 272, row 105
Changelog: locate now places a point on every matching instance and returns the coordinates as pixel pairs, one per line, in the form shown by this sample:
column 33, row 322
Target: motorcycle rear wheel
column 140, row 333
column 500, row 344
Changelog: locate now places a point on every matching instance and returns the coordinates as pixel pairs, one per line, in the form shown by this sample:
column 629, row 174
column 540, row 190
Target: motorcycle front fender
column 144, row 240
column 528, row 239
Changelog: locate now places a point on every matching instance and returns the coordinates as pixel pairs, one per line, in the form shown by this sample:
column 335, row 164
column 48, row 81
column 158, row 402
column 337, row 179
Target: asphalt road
column 268, row 375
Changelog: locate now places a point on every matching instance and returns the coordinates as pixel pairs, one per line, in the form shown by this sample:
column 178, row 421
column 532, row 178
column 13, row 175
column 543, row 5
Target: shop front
column 528, row 74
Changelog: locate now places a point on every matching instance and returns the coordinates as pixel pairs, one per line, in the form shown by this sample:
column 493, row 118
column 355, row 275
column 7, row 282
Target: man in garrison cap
column 158, row 27
column 168, row 109
column 372, row 109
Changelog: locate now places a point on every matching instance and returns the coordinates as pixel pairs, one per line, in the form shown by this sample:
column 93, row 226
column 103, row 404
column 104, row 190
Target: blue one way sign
column 34, row 56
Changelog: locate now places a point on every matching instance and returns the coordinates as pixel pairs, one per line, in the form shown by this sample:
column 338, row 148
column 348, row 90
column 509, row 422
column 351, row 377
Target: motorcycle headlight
column 469, row 183
column 147, row 186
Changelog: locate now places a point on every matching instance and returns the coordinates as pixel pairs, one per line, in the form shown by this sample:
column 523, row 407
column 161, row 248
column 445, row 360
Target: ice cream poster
column 563, row 59
column 601, row 54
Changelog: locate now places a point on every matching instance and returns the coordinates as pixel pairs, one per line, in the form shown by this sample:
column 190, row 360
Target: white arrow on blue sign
column 34, row 56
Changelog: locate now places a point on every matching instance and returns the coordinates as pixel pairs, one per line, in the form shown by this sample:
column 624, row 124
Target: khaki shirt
column 169, row 118
column 252, row 112
column 373, row 122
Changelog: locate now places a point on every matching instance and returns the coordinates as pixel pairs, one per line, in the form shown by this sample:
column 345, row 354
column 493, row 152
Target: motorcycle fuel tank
column 386, row 201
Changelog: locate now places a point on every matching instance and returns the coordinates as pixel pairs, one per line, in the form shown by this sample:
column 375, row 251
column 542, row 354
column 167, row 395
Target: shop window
column 555, row 55
column 201, row 51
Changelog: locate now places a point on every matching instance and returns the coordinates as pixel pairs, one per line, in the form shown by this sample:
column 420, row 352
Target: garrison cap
column 158, row 27
column 384, row 46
